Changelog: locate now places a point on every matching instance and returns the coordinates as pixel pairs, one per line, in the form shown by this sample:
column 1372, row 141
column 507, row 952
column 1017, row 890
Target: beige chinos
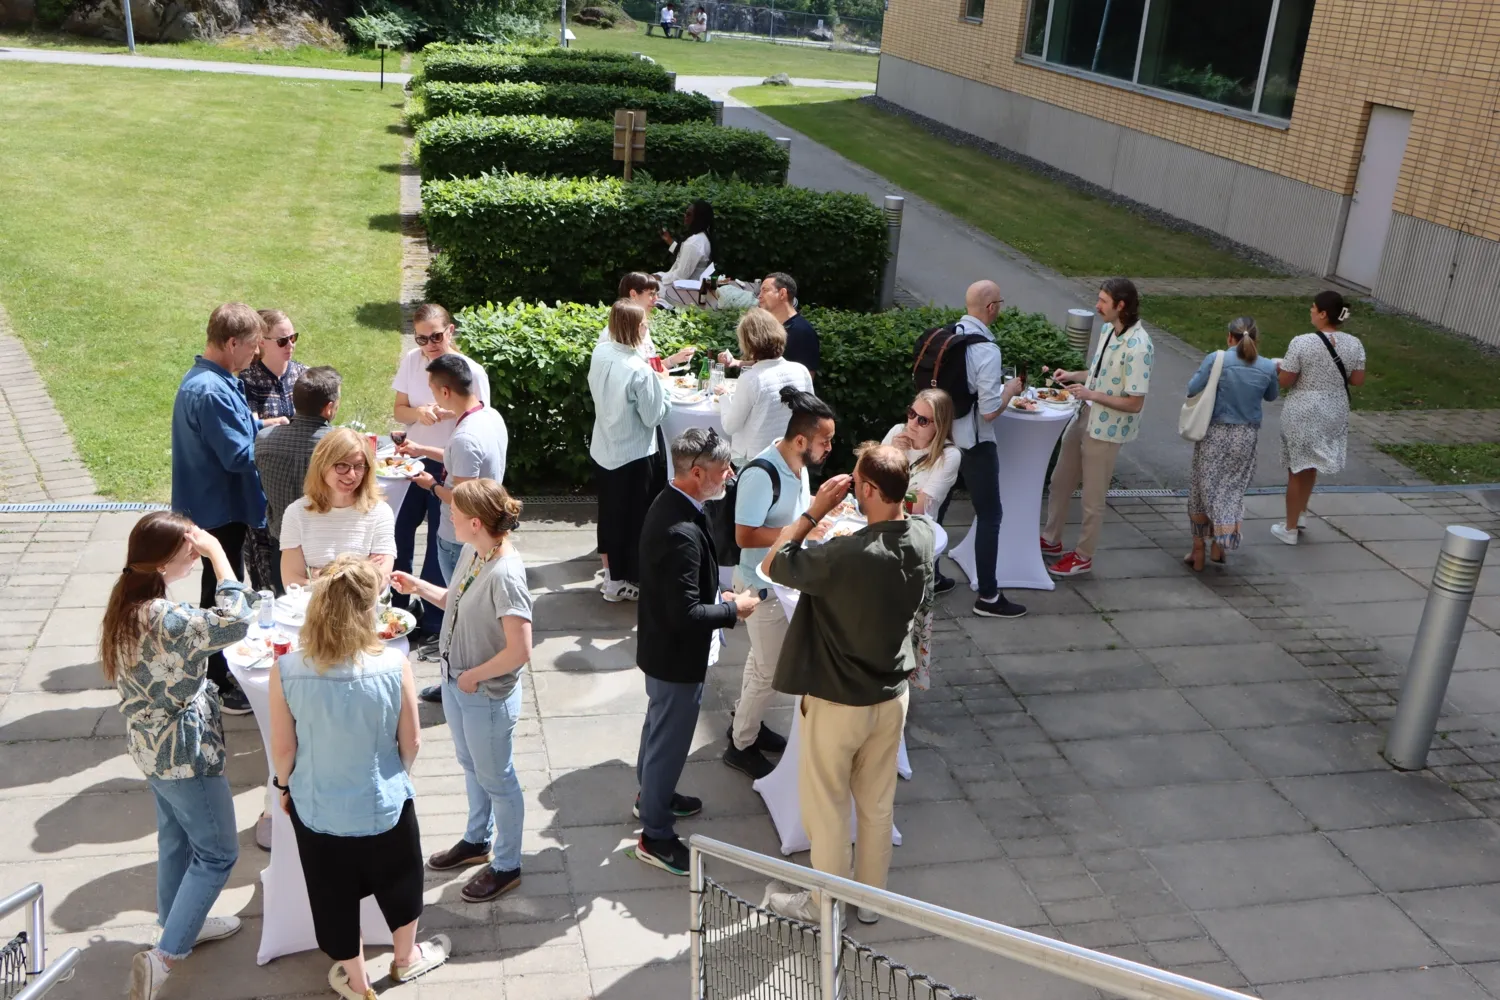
column 1086, row 462
column 767, row 627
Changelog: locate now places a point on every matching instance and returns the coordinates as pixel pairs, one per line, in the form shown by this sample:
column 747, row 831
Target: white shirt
column 646, row 348
column 411, row 378
column 694, row 254
column 343, row 530
column 937, row 479
column 754, row 415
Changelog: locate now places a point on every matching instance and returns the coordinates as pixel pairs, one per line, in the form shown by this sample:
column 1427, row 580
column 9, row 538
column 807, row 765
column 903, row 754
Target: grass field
column 731, row 56
column 225, row 51
column 134, row 203
column 1408, row 365
column 1048, row 221
column 1456, row 464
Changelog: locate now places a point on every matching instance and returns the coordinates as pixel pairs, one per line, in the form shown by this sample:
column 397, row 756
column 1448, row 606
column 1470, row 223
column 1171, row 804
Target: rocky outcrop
column 17, row 13
column 157, row 20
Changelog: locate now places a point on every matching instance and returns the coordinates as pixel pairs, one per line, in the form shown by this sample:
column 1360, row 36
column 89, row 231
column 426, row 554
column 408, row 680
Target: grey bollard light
column 718, row 112
column 1080, row 329
column 1454, row 581
column 671, row 81
column 785, row 142
column 895, row 205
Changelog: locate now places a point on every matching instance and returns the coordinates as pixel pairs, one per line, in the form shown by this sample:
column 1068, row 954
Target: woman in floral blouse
column 156, row 653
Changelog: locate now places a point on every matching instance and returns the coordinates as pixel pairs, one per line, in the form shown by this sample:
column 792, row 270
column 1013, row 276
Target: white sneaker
column 1282, row 534
column 797, row 905
column 615, row 591
column 147, row 974
column 218, row 928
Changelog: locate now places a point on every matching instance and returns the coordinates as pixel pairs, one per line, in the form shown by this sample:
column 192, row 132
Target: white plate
column 687, row 399
column 292, row 611
column 406, row 470
column 407, row 620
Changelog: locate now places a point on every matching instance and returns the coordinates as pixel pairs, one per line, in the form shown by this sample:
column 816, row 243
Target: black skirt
column 625, row 494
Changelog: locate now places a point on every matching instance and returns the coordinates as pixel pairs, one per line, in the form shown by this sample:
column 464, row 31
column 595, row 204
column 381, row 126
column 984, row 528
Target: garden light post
column 894, row 206
column 785, row 142
column 1454, row 580
column 562, row 26
column 129, row 26
column 382, row 46
column 718, row 112
column 1080, row 329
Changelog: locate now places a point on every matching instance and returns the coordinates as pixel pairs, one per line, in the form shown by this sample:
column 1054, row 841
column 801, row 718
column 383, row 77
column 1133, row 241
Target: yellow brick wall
column 1438, row 58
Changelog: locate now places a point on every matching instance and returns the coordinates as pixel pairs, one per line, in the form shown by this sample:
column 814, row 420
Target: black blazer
column 679, row 606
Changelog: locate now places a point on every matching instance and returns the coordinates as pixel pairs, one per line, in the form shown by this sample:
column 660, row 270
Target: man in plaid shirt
column 282, row 453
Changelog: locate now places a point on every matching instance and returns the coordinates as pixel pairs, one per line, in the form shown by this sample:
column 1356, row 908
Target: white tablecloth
column 683, row 416
column 1024, row 442
column 287, row 927
column 393, row 490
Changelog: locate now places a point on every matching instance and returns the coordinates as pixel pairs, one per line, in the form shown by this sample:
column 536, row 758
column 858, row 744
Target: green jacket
column 851, row 640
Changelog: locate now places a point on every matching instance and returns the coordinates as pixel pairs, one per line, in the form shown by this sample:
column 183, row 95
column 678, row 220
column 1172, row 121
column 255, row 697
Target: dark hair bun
column 791, row 395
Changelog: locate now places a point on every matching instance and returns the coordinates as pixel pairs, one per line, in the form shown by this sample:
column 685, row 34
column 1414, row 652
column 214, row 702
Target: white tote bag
column 1192, row 422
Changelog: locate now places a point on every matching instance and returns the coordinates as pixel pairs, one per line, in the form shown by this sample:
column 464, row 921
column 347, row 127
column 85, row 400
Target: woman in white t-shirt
column 927, row 439
column 754, row 415
column 341, row 512
column 694, row 253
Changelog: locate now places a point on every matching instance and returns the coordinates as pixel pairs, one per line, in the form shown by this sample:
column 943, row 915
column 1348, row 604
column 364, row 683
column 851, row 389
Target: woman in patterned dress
column 1315, row 420
column 156, row 654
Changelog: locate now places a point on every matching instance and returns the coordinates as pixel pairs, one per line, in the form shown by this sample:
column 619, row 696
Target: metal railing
column 40, row 976
column 1117, row 976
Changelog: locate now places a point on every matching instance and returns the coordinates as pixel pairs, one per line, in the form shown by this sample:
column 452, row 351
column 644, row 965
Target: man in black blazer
column 679, row 615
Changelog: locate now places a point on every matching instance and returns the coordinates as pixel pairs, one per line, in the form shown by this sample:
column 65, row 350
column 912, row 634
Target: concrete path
column 14, row 54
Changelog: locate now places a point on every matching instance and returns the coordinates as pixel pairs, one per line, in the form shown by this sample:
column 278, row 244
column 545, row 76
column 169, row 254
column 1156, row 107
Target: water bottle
column 267, row 619
column 705, row 373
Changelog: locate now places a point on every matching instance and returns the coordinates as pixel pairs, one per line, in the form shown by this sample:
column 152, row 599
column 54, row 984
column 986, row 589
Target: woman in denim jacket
column 156, row 654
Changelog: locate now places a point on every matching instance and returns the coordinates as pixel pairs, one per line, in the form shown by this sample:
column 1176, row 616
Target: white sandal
column 339, row 980
column 433, row 954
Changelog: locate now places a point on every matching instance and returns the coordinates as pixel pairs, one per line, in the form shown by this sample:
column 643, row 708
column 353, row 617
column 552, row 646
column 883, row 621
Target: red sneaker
column 1071, row 564
column 1051, row 548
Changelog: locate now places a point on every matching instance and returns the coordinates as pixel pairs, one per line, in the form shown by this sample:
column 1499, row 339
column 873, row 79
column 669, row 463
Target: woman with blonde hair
column 630, row 404
column 932, row 457
column 754, row 415
column 1224, row 460
column 340, row 513
column 155, row 652
column 484, row 646
column 344, row 734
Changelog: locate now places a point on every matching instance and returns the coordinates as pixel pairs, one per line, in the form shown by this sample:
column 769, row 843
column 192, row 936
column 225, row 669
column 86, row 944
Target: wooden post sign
column 630, row 138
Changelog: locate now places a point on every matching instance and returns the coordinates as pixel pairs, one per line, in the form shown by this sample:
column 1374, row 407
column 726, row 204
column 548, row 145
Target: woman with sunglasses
column 341, row 513
column 269, row 379
column 927, row 439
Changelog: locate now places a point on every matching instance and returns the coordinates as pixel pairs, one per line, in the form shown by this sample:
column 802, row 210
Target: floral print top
column 172, row 721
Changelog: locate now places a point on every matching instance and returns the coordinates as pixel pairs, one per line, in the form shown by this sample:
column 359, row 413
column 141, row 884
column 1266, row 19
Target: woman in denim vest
column 155, row 652
column 344, row 733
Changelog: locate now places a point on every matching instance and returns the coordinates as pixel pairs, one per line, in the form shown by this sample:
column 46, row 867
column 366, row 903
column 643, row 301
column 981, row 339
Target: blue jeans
column 420, row 505
column 666, row 738
column 197, row 844
column 482, row 728
column 448, row 553
column 980, row 466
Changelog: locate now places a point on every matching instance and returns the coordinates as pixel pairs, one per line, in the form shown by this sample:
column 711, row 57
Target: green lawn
column 1408, row 365
column 731, row 56
column 229, row 50
column 1458, row 464
column 134, row 203
column 1049, row 222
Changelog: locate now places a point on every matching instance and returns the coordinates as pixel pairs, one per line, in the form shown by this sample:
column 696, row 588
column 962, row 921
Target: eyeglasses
column 435, row 338
column 344, row 468
column 912, row 414
column 283, row 341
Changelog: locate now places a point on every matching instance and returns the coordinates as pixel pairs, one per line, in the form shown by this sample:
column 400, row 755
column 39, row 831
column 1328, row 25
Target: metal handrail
column 1118, row 976
column 54, row 974
column 41, row 976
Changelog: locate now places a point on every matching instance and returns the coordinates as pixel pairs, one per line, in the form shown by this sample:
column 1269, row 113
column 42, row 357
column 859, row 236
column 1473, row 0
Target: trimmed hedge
column 538, row 356
column 504, row 236
column 550, row 51
column 565, row 100
column 470, row 65
column 469, row 145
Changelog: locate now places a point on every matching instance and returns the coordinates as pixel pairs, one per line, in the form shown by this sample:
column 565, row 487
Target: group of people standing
column 257, row 458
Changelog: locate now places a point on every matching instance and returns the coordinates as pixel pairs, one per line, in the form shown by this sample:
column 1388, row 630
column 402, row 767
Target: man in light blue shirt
column 762, row 508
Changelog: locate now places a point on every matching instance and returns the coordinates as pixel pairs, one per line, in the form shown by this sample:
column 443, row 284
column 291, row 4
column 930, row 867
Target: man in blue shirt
column 214, row 479
column 761, row 511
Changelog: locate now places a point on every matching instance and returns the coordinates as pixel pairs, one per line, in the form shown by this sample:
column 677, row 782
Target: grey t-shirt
column 476, row 451
column 477, row 635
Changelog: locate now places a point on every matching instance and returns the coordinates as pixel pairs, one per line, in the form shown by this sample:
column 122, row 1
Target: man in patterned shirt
column 282, row 453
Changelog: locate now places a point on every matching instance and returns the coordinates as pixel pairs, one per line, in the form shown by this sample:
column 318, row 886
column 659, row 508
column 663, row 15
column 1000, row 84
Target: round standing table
column 685, row 415
column 1024, row 443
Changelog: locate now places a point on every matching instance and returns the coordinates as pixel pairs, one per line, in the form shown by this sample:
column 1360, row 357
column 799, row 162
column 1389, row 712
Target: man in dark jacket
column 680, row 613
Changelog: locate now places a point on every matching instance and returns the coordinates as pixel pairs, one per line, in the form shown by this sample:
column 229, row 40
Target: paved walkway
column 42, row 463
column 12, row 54
column 1299, row 287
column 1428, row 426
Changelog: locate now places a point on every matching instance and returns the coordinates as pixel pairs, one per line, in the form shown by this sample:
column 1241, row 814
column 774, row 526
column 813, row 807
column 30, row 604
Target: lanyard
column 468, row 581
column 472, row 409
column 1108, row 339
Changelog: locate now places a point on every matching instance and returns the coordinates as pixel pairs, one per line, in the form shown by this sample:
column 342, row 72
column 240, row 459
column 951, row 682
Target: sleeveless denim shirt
column 348, row 779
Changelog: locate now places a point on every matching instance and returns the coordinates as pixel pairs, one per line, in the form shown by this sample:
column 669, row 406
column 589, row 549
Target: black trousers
column 625, row 494
column 341, row 871
column 232, row 537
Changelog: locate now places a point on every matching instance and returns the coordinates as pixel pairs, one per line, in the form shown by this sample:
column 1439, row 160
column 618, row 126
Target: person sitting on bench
column 699, row 28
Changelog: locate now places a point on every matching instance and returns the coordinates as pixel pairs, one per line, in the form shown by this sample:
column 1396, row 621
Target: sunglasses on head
column 283, row 341
column 912, row 414
column 432, row 338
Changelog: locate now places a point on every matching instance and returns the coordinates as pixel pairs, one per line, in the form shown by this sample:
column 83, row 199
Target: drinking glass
column 1007, row 372
column 398, row 434
column 716, row 376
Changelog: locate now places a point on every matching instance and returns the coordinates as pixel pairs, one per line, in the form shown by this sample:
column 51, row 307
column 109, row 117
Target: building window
column 1245, row 55
column 974, row 10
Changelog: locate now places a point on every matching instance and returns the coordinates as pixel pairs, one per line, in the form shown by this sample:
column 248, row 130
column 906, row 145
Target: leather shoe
column 488, row 884
column 459, row 855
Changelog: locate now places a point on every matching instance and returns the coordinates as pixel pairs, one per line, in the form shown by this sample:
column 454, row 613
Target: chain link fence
column 768, row 24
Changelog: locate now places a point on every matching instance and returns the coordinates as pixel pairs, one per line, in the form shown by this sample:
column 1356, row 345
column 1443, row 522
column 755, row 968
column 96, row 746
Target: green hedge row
column 470, row 65
column 550, row 51
column 565, row 100
column 537, row 357
column 469, row 145
column 505, row 236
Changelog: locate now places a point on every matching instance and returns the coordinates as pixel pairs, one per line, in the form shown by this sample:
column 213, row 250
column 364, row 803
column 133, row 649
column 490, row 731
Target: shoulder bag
column 1197, row 411
column 1333, row 352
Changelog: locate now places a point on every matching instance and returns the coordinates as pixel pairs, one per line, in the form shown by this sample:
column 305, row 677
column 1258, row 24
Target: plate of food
column 397, row 467
column 395, row 623
column 1054, row 396
column 256, row 650
column 1025, row 405
column 684, row 382
column 687, row 398
column 843, row 528
column 845, row 508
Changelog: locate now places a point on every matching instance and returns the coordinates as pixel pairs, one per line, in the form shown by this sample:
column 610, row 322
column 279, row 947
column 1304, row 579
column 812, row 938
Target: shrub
column 565, row 100
column 509, row 235
column 472, row 64
column 386, row 25
column 468, row 145
column 547, row 52
column 538, row 356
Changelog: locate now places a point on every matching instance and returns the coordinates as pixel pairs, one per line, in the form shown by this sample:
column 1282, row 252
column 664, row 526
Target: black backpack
column 940, row 364
column 721, row 512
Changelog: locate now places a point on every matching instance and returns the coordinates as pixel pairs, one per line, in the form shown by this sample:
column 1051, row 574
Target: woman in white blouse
column 340, row 513
column 927, row 439
column 754, row 415
column 694, row 253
